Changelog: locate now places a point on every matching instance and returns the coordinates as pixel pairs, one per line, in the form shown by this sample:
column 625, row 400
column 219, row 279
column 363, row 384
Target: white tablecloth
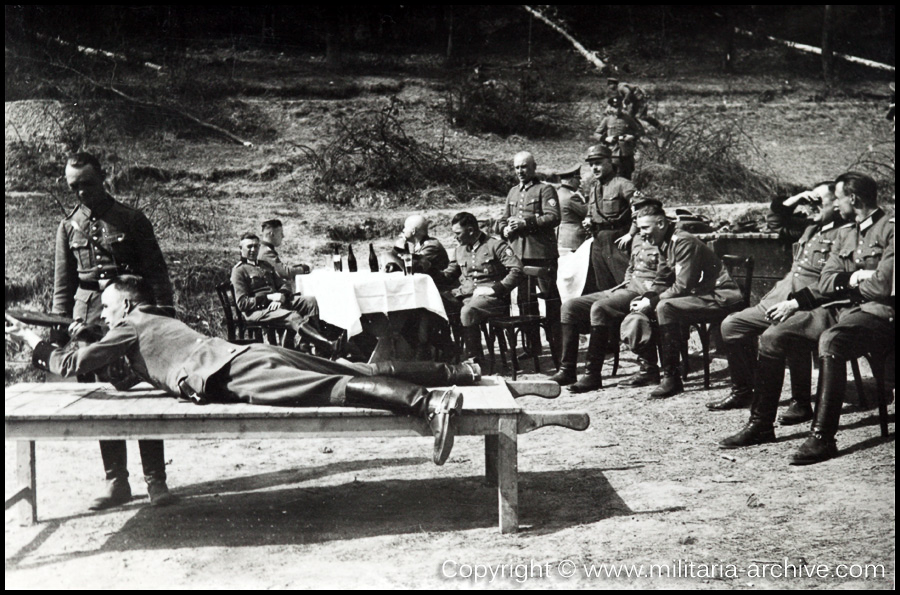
column 573, row 271
column 344, row 297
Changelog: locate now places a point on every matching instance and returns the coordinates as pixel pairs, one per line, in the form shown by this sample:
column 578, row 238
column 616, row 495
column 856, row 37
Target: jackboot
column 740, row 366
column 116, row 491
column 430, row 373
column 597, row 345
column 670, row 347
column 158, row 491
column 800, row 409
column 821, row 445
column 760, row 427
column 472, row 340
column 438, row 408
column 649, row 371
column 325, row 347
column 569, row 358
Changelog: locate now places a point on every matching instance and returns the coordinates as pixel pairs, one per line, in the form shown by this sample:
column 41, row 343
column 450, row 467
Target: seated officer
column 488, row 270
column 263, row 296
column 604, row 310
column 796, row 291
column 860, row 317
column 430, row 258
column 699, row 285
column 272, row 238
column 173, row 357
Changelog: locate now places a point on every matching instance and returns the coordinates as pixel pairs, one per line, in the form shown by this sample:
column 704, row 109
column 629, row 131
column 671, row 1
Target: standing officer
column 620, row 132
column 860, row 318
column 798, row 290
column 263, row 296
column 609, row 219
column 272, row 238
column 99, row 240
column 604, row 311
column 700, row 285
column 488, row 270
column 572, row 210
column 529, row 225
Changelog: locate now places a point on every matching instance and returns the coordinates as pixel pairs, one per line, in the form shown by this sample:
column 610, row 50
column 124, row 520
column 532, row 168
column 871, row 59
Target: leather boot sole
column 748, row 437
column 586, row 384
column 796, row 415
column 730, row 402
column 639, row 380
column 564, row 378
column 117, row 492
column 442, row 425
column 813, row 451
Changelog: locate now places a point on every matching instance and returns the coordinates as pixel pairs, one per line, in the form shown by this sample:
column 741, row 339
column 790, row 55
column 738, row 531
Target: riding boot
column 800, row 410
column 116, row 490
column 324, row 346
column 821, row 446
column 569, row 358
column 670, row 345
column 472, row 340
column 436, row 407
column 646, row 376
column 430, row 373
column 592, row 379
column 760, row 427
column 740, row 365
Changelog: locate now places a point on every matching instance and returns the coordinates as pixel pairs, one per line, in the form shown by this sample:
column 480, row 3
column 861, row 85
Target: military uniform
column 488, row 262
column 619, row 126
column 535, row 245
column 573, row 208
column 92, row 247
column 254, row 281
column 856, row 321
column 700, row 286
column 609, row 208
column 740, row 329
column 428, row 257
column 287, row 272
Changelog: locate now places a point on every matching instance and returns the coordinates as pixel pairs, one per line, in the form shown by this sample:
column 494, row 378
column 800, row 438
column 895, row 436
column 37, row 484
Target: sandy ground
column 643, row 490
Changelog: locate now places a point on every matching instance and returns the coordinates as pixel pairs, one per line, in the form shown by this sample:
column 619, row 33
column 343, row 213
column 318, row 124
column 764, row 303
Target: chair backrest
column 741, row 270
column 233, row 320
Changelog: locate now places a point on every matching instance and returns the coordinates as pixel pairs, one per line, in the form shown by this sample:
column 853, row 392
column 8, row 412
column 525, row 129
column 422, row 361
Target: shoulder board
column 72, row 212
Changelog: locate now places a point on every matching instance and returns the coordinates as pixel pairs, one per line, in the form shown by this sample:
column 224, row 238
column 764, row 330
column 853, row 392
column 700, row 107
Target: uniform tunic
column 488, row 262
column 866, row 245
column 572, row 210
column 254, row 281
column 700, row 284
column 618, row 126
column 96, row 246
column 609, row 208
column 429, row 257
column 287, row 272
column 168, row 354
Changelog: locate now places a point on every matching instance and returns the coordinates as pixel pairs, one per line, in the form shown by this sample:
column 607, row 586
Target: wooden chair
column 741, row 270
column 525, row 325
column 877, row 361
column 242, row 331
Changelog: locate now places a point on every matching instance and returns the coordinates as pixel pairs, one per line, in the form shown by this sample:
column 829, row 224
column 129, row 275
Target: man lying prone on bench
column 175, row 358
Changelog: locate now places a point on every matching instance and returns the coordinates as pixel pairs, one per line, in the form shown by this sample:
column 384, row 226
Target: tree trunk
column 449, row 21
column 827, row 45
column 333, row 58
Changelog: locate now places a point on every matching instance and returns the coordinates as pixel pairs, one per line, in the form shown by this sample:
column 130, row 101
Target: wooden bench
column 73, row 411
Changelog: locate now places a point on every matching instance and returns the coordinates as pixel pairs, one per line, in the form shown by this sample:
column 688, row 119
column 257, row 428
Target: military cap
column 597, row 152
column 569, row 172
column 612, row 81
column 270, row 223
column 639, row 199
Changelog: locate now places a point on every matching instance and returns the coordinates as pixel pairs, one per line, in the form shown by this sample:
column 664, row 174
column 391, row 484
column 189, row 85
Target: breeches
column 692, row 308
column 855, row 334
column 603, row 308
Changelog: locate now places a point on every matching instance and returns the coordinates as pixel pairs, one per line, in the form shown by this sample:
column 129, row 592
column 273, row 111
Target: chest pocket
column 872, row 256
column 81, row 250
column 613, row 207
column 259, row 284
column 820, row 256
column 485, row 267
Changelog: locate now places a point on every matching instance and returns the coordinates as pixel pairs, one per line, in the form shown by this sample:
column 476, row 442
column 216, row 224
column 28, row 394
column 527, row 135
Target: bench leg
column 25, row 472
column 508, row 474
column 491, row 452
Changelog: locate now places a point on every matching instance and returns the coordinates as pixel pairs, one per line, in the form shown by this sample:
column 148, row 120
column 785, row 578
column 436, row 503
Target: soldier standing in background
column 572, row 211
column 100, row 240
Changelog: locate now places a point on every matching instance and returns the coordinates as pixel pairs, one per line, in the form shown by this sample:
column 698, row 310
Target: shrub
column 372, row 160
column 701, row 159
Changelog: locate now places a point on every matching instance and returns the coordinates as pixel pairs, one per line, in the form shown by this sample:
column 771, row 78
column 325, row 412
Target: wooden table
column 73, row 411
column 380, row 302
